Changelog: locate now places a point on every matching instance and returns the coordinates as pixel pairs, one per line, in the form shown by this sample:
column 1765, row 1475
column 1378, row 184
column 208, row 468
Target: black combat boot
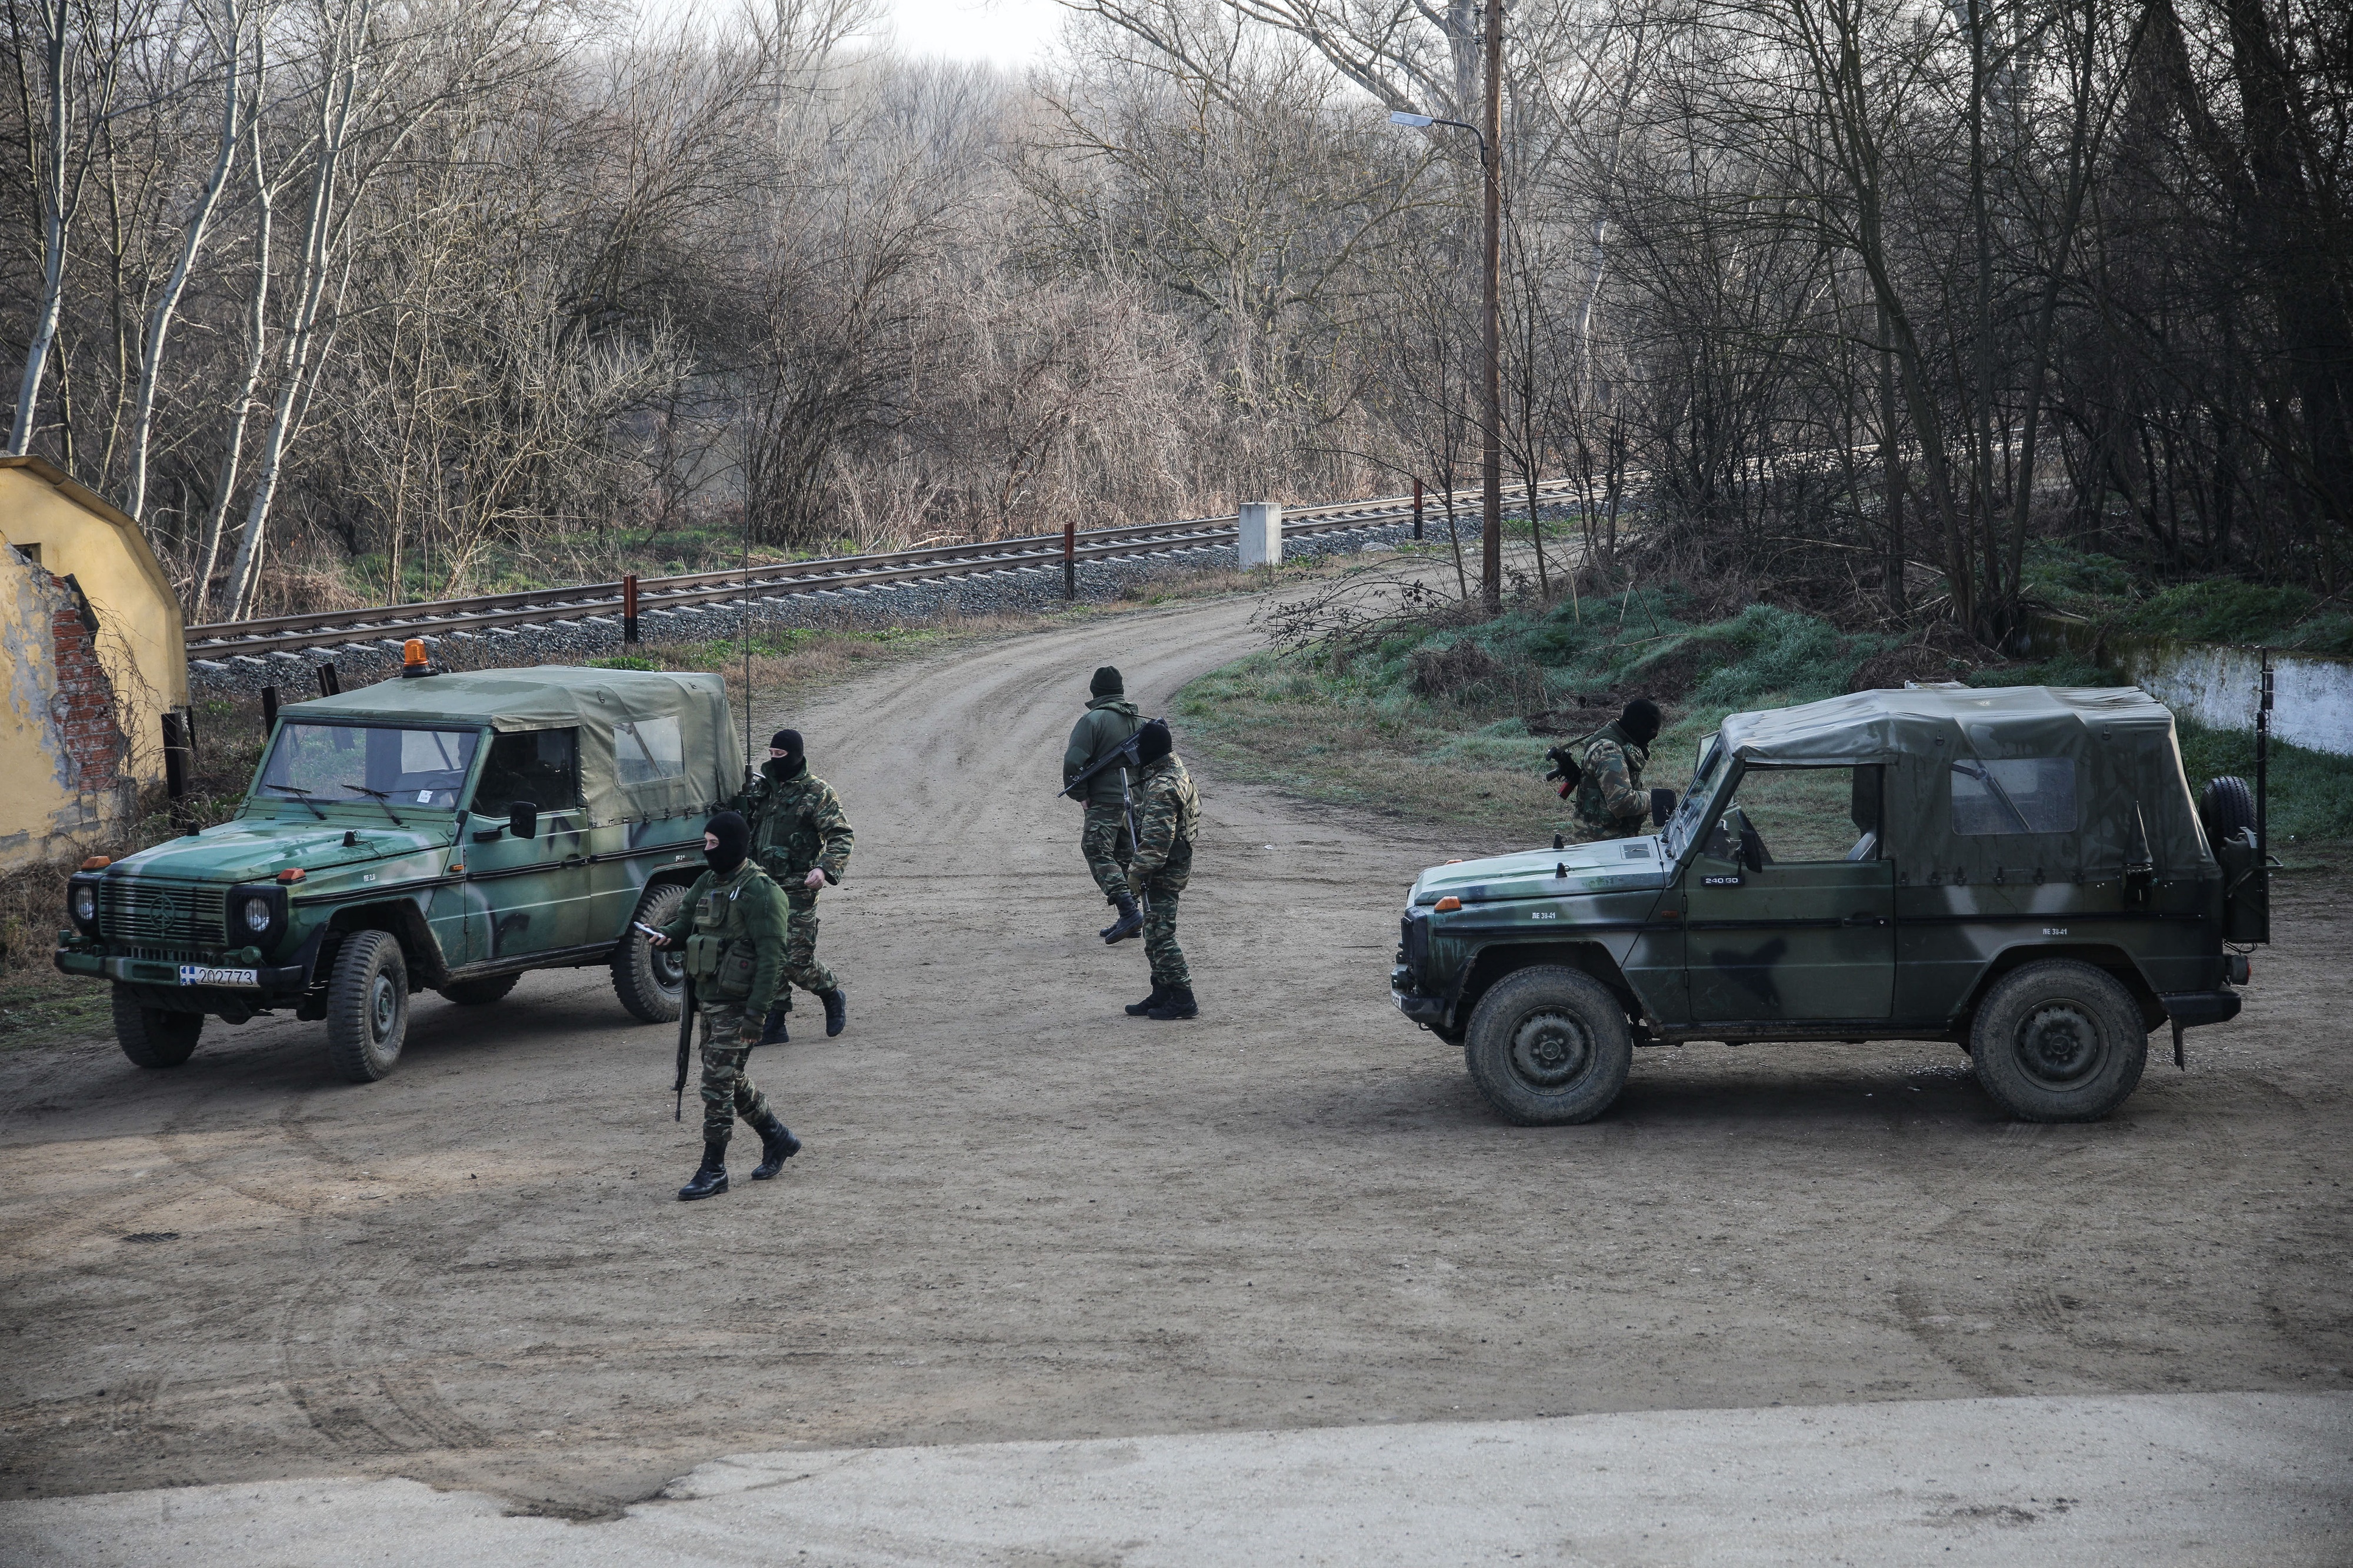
column 1176, row 1003
column 1130, row 922
column 711, row 1180
column 1159, row 994
column 778, row 1145
column 837, row 1011
column 773, row 1032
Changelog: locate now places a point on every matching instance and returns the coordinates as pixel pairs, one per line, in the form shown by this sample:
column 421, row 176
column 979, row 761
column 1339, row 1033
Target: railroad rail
column 483, row 612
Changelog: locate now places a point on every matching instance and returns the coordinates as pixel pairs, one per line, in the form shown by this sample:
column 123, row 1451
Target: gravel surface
column 1021, row 1214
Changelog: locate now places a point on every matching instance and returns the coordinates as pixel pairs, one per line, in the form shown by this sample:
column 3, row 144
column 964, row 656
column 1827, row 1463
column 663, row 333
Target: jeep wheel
column 153, row 1038
column 368, row 1006
column 650, row 981
column 1548, row 1046
column 479, row 993
column 2059, row 1041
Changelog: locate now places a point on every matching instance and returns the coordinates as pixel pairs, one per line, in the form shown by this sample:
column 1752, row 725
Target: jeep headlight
column 254, row 917
column 83, row 902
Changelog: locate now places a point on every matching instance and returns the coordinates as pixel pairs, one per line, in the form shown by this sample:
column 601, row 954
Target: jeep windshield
column 375, row 766
column 1686, row 819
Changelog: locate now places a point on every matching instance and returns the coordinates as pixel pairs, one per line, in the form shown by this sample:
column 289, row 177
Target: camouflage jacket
column 1166, row 812
column 1610, row 800
column 733, row 929
column 1108, row 722
column 798, row 823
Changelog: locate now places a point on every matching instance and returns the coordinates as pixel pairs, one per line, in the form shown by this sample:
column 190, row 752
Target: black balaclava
column 1107, row 683
column 734, row 835
column 789, row 765
column 1641, row 721
column 1154, row 743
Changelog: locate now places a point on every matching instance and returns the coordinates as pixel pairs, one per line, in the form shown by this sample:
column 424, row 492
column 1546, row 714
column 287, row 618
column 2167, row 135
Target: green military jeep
column 446, row 833
column 2021, row 872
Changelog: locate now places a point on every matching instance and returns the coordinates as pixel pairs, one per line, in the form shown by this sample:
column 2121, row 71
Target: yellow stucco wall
column 44, row 810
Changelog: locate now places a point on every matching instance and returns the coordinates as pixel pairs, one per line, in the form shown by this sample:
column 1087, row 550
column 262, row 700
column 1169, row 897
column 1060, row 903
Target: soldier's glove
column 1565, row 769
column 750, row 1036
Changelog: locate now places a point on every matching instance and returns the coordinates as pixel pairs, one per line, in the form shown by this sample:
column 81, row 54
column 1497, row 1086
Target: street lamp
column 1491, row 562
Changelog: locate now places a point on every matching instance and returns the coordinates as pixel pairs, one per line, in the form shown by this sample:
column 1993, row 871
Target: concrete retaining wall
column 1038, row 588
column 2215, row 684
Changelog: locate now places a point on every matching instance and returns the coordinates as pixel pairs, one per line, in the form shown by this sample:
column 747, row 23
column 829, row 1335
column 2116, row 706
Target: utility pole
column 1491, row 153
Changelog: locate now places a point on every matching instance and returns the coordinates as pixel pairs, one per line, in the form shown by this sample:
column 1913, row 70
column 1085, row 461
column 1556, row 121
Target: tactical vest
column 785, row 838
column 721, row 956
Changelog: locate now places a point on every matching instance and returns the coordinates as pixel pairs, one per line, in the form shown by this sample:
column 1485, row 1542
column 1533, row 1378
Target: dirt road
column 1022, row 1215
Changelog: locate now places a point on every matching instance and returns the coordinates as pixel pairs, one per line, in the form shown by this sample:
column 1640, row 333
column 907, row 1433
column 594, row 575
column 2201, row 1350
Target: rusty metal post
column 268, row 710
column 629, row 607
column 175, row 758
column 1417, row 506
column 331, row 679
column 1070, row 560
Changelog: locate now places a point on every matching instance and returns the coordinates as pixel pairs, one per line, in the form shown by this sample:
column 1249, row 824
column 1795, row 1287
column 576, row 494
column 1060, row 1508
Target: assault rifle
column 685, row 1044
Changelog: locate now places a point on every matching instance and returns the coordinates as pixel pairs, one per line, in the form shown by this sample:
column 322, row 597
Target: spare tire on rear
column 2226, row 806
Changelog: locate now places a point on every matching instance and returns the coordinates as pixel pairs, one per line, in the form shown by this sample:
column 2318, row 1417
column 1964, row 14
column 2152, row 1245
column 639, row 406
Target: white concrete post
column 1262, row 533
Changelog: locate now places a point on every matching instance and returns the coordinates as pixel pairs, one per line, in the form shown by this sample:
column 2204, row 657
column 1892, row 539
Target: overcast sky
column 1007, row 32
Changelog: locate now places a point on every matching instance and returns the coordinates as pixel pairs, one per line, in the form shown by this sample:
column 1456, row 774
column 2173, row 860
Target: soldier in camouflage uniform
column 1610, row 800
column 1167, row 811
column 802, row 839
column 1109, row 720
column 731, row 924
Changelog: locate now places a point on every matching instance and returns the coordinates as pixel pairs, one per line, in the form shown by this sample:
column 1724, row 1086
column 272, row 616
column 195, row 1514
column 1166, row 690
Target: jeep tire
column 153, row 1038
column 1548, row 1046
column 650, row 983
column 2058, row 1041
column 479, row 993
column 368, row 1006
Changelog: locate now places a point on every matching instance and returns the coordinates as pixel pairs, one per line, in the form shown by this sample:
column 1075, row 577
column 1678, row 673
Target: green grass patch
column 1448, row 725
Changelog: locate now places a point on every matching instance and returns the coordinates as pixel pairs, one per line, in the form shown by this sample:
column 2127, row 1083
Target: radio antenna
column 744, row 630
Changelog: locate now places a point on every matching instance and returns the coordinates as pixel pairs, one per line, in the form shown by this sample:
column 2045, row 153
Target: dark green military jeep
column 446, row 833
column 2021, row 872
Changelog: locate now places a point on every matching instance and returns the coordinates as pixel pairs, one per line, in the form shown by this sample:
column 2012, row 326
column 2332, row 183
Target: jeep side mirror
column 522, row 819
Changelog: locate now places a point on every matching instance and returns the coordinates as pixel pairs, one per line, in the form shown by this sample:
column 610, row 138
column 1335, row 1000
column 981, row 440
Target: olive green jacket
column 743, row 917
column 1109, row 720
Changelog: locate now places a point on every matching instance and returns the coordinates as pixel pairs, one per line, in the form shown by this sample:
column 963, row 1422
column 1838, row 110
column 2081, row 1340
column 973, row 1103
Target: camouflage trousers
column 1108, row 847
column 801, row 967
column 728, row 1091
column 1160, row 892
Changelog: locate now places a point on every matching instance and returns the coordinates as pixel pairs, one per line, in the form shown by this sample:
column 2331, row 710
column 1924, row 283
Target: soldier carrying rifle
column 731, row 924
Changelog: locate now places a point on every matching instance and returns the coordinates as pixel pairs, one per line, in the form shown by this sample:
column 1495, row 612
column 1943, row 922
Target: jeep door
column 1788, row 907
column 528, row 896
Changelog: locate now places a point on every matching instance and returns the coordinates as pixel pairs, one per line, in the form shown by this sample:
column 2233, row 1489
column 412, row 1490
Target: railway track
column 483, row 612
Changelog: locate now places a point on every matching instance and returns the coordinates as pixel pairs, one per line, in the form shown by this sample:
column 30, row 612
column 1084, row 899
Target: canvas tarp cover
column 653, row 743
column 2120, row 741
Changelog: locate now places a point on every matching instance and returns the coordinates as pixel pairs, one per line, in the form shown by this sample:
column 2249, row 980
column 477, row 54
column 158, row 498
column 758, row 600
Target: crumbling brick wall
column 87, row 724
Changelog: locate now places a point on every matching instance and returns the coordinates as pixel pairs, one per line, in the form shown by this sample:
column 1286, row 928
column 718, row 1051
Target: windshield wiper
column 382, row 799
column 298, row 793
column 1984, row 776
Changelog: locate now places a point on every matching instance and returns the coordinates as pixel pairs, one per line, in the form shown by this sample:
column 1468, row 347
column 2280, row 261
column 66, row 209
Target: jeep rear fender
column 2099, row 956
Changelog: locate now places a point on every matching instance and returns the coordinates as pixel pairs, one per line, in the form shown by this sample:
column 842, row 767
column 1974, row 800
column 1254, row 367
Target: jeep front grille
column 149, row 914
column 1413, row 942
